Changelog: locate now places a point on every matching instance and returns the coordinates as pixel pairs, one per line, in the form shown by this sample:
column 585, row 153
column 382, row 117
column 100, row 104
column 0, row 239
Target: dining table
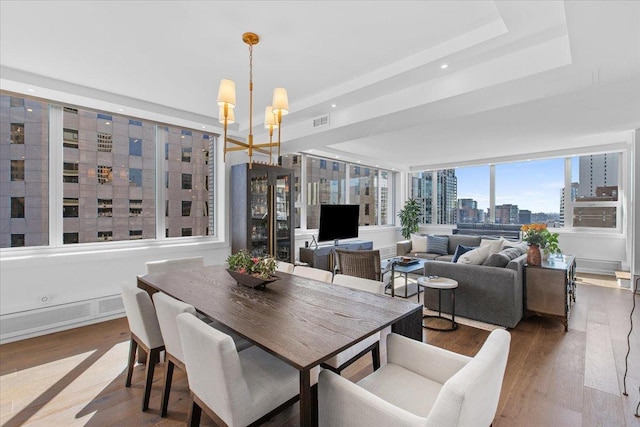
column 299, row 320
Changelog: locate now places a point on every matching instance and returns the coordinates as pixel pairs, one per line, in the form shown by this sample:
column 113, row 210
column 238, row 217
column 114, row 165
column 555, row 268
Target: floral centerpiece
column 250, row 270
column 539, row 239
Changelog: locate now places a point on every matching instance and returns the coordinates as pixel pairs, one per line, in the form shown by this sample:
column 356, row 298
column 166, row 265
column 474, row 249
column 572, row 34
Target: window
column 186, row 208
column 68, row 238
column 542, row 201
column 17, row 240
column 473, row 195
column 594, row 191
column 105, row 207
column 186, row 181
column 422, row 192
column 17, row 207
column 24, row 127
column 17, row 170
column 135, row 177
column 186, row 154
column 135, row 147
column 385, row 203
column 70, row 207
column 105, row 174
column 294, row 162
column 70, row 172
column 17, row 133
column 70, row 137
column 111, row 189
column 135, row 207
column 323, row 164
column 135, row 234
column 323, row 186
column 105, row 142
column 186, row 232
column 187, row 168
column 105, row 236
column 363, row 191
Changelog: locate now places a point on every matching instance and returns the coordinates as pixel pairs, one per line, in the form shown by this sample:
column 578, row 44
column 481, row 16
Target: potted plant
column 409, row 216
column 540, row 239
column 251, row 271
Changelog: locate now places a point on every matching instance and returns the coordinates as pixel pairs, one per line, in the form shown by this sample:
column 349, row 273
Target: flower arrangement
column 539, row 235
column 244, row 263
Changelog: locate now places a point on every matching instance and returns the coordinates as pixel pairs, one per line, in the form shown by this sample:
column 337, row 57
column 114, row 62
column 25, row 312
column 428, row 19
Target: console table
column 550, row 288
column 322, row 256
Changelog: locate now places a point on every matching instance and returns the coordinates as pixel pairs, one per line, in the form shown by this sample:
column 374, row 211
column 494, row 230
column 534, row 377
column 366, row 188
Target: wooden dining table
column 301, row 321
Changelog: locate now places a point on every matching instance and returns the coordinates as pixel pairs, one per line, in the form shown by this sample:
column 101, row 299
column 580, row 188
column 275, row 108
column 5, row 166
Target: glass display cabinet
column 262, row 210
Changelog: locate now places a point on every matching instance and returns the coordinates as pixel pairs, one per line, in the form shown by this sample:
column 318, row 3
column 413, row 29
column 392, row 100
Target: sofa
column 488, row 293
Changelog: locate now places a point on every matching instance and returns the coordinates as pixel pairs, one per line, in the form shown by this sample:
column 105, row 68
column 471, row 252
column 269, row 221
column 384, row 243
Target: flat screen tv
column 338, row 222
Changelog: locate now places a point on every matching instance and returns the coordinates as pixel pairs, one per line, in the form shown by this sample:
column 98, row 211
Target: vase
column 533, row 255
column 251, row 281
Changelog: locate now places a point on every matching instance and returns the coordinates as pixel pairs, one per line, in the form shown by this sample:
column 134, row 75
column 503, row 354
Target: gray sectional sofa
column 485, row 293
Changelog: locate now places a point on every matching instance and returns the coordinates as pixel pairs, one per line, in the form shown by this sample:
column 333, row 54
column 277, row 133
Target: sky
column 534, row 185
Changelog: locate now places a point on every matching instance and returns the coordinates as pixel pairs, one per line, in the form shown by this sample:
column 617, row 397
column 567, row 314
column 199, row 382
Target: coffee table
column 395, row 266
column 440, row 283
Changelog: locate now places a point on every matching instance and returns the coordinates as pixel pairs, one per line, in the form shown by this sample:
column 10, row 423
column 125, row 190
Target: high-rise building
column 524, row 216
column 598, row 170
column 507, row 214
column 468, row 212
column 447, row 196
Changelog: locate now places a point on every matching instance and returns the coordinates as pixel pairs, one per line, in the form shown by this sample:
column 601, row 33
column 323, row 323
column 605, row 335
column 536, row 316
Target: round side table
column 441, row 283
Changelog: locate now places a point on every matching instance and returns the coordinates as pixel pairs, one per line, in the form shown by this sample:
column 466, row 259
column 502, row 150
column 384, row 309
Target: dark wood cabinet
column 551, row 289
column 262, row 210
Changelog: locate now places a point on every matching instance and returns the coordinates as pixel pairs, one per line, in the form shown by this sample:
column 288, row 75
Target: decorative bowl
column 251, row 281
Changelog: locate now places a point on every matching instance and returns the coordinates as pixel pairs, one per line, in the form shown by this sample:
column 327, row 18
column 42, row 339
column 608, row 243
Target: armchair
column 421, row 385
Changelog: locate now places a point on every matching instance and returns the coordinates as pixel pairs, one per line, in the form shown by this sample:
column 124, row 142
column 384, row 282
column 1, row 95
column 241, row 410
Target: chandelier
column 272, row 115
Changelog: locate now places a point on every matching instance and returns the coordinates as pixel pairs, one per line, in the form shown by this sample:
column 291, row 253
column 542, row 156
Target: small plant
column 409, row 217
column 243, row 262
column 538, row 234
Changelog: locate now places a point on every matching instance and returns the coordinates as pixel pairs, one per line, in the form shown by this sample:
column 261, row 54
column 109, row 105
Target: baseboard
column 594, row 266
column 42, row 321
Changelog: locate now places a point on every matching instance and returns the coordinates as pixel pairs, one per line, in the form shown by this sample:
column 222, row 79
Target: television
column 338, row 222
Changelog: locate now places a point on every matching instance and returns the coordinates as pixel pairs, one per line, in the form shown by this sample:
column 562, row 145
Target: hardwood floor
column 553, row 378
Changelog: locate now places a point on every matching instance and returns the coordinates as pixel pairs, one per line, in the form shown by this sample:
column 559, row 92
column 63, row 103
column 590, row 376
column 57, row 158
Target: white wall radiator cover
column 41, row 321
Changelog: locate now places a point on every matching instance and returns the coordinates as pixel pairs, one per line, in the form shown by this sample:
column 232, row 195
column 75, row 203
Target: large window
column 591, row 201
column 594, row 191
column 519, row 202
column 330, row 181
column 102, row 172
column 324, row 186
column 24, row 172
column 188, row 170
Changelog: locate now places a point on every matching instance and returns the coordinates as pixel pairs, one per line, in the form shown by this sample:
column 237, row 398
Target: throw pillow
column 475, row 257
column 418, row 243
column 461, row 250
column 437, row 245
column 495, row 245
column 522, row 246
column 496, row 260
column 511, row 253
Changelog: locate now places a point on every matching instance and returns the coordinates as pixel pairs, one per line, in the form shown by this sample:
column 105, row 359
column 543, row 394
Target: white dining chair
column 162, row 266
column 421, row 385
column 233, row 388
column 145, row 333
column 285, row 267
column 313, row 273
column 371, row 344
column 167, row 309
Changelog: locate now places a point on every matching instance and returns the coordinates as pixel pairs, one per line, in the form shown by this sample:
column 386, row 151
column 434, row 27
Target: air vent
column 321, row 121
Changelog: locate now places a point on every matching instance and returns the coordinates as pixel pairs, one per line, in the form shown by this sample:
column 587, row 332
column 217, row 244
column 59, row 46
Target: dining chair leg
column 168, row 375
column 133, row 346
column 375, row 356
column 194, row 415
column 152, row 358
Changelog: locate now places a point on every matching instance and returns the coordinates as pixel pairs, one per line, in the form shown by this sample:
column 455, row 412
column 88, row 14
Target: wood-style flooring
column 553, row 378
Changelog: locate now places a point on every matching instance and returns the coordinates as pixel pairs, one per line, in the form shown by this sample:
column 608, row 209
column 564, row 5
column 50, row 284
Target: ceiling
column 522, row 77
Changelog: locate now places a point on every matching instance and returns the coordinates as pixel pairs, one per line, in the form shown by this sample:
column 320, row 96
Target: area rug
column 467, row 322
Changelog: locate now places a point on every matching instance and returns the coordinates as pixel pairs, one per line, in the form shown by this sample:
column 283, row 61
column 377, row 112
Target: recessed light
column 120, row 109
column 31, row 90
column 29, row 109
column 107, row 123
column 333, row 105
column 204, row 127
column 358, row 161
column 444, row 66
column 337, row 157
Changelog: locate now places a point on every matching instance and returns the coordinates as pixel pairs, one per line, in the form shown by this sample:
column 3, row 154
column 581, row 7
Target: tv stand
column 322, row 256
